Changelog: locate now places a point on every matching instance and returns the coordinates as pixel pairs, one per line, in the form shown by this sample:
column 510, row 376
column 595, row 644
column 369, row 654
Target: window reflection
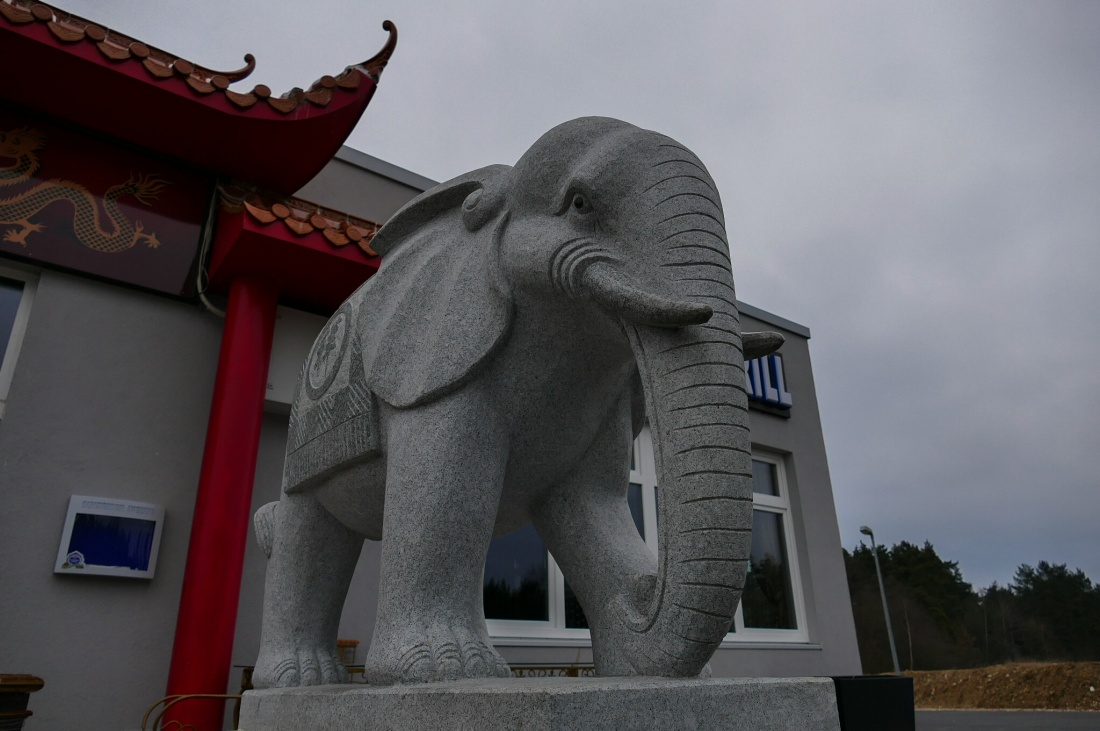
column 634, row 499
column 766, row 601
column 574, row 615
column 516, row 577
column 763, row 478
column 10, row 294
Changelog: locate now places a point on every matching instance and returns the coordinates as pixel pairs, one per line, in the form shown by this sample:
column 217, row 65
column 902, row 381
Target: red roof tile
column 300, row 216
column 315, row 256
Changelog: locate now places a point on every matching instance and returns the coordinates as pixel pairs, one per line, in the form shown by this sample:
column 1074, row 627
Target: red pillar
column 202, row 653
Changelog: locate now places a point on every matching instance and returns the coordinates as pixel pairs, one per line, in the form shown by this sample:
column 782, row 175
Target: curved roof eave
column 70, row 68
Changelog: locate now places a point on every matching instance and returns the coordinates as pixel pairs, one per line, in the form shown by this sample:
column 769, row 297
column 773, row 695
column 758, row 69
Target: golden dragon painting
column 107, row 231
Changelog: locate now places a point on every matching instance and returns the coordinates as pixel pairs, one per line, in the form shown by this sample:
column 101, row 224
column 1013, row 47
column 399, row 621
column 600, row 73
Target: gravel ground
column 1063, row 686
column 1007, row 720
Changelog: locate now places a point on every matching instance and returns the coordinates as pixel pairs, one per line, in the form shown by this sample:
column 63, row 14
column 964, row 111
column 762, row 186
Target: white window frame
column 18, row 330
column 779, row 504
column 554, row 632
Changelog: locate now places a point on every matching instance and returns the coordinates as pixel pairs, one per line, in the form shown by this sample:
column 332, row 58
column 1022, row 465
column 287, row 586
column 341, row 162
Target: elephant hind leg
column 313, row 557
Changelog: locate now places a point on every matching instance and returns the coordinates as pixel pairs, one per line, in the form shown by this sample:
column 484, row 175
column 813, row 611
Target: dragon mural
column 106, row 231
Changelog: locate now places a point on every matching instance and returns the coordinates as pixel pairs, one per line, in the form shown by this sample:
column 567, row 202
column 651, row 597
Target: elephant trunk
column 695, row 399
column 694, row 382
column 692, row 370
column 678, row 309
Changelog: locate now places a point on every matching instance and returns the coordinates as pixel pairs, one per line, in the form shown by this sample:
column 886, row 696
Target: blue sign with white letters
column 765, row 381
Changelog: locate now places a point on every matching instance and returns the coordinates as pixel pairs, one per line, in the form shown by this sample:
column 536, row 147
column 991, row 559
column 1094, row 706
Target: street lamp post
column 882, row 590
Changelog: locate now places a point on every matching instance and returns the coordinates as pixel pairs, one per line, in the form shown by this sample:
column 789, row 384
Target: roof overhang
column 73, row 69
column 316, row 257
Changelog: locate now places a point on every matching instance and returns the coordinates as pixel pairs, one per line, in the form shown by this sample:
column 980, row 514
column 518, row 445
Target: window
column 771, row 607
column 526, row 595
column 16, row 294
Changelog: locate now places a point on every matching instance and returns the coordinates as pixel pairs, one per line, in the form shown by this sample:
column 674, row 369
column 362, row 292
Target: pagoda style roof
column 301, row 217
column 316, row 256
column 71, row 68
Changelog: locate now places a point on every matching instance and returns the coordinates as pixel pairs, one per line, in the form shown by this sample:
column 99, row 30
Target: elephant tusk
column 616, row 291
column 759, row 344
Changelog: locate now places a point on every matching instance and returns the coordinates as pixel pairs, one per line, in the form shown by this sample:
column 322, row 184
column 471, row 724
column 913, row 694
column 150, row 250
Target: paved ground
column 1008, row 720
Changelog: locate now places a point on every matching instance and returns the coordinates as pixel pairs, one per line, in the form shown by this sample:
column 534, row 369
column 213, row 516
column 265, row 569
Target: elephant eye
column 581, row 204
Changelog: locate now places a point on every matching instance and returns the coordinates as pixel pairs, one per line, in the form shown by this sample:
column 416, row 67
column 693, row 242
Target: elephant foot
column 297, row 666
column 452, row 655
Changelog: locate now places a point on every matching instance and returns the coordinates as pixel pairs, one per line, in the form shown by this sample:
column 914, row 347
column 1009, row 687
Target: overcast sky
column 918, row 183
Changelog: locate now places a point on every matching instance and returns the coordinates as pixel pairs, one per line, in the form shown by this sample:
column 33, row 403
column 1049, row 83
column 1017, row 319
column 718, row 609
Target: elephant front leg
column 312, row 560
column 587, row 526
column 446, row 465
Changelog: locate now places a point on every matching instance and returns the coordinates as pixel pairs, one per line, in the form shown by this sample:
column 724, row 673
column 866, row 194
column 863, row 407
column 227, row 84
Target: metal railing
column 171, row 700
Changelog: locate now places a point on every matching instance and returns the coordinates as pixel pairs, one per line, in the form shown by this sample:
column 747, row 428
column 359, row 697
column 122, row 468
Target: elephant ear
column 439, row 306
column 443, row 198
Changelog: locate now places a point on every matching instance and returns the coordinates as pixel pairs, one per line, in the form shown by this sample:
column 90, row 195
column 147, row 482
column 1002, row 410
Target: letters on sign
column 765, row 381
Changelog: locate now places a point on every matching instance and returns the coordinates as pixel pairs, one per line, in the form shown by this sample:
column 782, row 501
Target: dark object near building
column 15, row 692
column 875, row 703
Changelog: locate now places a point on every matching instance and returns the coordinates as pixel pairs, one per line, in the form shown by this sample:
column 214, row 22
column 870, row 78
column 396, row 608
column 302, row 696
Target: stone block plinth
column 551, row 704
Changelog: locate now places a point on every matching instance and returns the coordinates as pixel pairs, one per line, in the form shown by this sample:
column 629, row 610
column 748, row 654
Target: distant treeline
column 1048, row 612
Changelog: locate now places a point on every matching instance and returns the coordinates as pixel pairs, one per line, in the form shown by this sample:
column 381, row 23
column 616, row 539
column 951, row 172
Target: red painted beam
column 205, row 627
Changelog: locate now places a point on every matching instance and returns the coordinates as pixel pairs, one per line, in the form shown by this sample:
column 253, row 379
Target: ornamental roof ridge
column 299, row 215
column 70, row 29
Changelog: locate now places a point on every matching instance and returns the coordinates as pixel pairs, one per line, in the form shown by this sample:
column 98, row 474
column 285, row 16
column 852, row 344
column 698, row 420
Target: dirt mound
column 1067, row 686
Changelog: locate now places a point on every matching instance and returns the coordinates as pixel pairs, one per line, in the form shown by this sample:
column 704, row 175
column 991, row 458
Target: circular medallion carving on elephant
column 328, row 354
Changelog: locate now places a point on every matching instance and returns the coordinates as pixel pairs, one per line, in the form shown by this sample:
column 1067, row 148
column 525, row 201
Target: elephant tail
column 264, row 523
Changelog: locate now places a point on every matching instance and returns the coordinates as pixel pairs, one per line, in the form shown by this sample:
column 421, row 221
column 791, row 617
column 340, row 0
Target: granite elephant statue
column 524, row 323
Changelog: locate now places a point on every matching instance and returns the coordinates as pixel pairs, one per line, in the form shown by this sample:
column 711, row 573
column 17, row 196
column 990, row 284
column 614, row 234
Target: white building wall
column 110, row 397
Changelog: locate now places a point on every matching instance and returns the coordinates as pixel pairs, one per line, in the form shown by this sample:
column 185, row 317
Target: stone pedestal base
column 550, row 704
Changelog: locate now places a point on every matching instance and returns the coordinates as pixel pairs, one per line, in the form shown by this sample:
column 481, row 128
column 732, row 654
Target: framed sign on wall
column 110, row 537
